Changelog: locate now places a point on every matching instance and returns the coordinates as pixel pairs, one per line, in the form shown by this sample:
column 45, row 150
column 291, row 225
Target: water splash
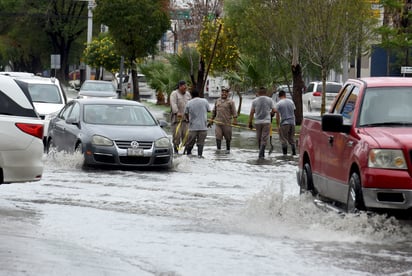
column 269, row 212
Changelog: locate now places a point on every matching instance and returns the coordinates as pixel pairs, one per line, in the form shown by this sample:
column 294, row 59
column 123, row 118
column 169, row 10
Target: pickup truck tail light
column 35, row 130
column 317, row 94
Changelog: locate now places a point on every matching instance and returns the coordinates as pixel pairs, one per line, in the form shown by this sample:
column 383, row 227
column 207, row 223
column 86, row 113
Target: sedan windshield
column 110, row 114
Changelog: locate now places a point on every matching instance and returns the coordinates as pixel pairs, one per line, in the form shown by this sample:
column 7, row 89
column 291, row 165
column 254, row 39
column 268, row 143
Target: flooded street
column 220, row 215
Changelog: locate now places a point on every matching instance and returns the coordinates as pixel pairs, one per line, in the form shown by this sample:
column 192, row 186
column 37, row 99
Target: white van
column 214, row 85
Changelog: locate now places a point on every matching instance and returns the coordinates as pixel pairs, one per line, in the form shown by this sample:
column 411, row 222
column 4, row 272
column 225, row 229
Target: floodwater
column 224, row 214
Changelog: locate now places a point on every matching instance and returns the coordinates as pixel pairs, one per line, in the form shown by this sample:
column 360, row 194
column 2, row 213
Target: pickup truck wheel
column 355, row 198
column 306, row 181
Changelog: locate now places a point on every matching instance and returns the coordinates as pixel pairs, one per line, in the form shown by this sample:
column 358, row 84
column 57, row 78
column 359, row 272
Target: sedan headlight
column 101, row 141
column 386, row 159
column 162, row 143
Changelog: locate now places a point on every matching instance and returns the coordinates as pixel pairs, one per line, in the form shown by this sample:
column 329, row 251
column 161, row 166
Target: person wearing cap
column 178, row 101
column 223, row 112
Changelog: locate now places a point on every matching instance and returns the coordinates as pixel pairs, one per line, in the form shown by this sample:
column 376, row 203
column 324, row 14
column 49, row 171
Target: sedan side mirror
column 163, row 123
column 72, row 121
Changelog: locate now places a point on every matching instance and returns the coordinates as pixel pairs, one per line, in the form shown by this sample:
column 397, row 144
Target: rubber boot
column 200, row 150
column 189, row 150
column 228, row 147
column 293, row 150
column 262, row 152
column 218, row 144
column 175, row 149
column 285, row 149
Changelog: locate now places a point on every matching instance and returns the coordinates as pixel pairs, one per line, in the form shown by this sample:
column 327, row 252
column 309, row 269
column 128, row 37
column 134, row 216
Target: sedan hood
column 140, row 133
column 391, row 137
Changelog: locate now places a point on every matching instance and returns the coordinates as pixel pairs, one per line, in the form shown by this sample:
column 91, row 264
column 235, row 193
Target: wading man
column 223, row 112
column 178, row 101
column 262, row 110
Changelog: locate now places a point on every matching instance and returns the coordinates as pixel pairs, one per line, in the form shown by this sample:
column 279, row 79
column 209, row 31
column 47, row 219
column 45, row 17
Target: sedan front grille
column 127, row 144
column 134, row 160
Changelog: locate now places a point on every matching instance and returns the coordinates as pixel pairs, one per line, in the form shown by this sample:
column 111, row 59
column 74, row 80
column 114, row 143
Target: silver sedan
column 111, row 132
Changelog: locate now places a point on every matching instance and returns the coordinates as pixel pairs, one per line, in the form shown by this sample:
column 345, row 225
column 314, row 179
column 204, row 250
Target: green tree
column 396, row 31
column 330, row 26
column 266, row 45
column 226, row 52
column 163, row 77
column 102, row 53
column 55, row 26
column 136, row 27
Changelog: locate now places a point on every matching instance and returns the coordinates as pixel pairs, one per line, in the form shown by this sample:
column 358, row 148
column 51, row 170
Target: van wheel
column 355, row 201
column 306, row 180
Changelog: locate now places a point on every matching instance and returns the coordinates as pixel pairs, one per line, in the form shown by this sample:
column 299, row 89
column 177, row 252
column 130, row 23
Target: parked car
column 113, row 132
column 144, row 88
column 21, row 132
column 312, row 97
column 97, row 88
column 47, row 95
column 284, row 87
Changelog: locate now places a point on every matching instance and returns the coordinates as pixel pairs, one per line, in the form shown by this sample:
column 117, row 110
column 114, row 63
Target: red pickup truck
column 359, row 154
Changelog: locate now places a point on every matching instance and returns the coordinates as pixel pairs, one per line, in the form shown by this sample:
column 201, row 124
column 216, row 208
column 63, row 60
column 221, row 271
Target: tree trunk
column 240, row 102
column 298, row 87
column 136, row 92
column 323, row 105
column 200, row 78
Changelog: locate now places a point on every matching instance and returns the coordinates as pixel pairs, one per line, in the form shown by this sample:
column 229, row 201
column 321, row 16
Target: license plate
column 135, row 152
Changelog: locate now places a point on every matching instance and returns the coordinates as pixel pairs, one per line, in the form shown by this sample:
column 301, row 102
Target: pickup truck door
column 341, row 146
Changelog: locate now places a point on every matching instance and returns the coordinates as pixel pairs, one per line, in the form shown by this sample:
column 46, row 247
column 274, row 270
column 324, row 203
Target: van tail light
column 35, row 130
column 317, row 94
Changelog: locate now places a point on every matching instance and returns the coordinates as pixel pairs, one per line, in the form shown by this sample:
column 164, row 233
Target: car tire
column 306, row 180
column 79, row 150
column 355, row 202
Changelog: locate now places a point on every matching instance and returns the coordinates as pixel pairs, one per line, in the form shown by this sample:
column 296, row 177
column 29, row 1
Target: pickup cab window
column 345, row 104
column 349, row 106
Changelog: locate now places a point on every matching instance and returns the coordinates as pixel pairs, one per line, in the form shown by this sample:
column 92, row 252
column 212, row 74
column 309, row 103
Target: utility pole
column 90, row 7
